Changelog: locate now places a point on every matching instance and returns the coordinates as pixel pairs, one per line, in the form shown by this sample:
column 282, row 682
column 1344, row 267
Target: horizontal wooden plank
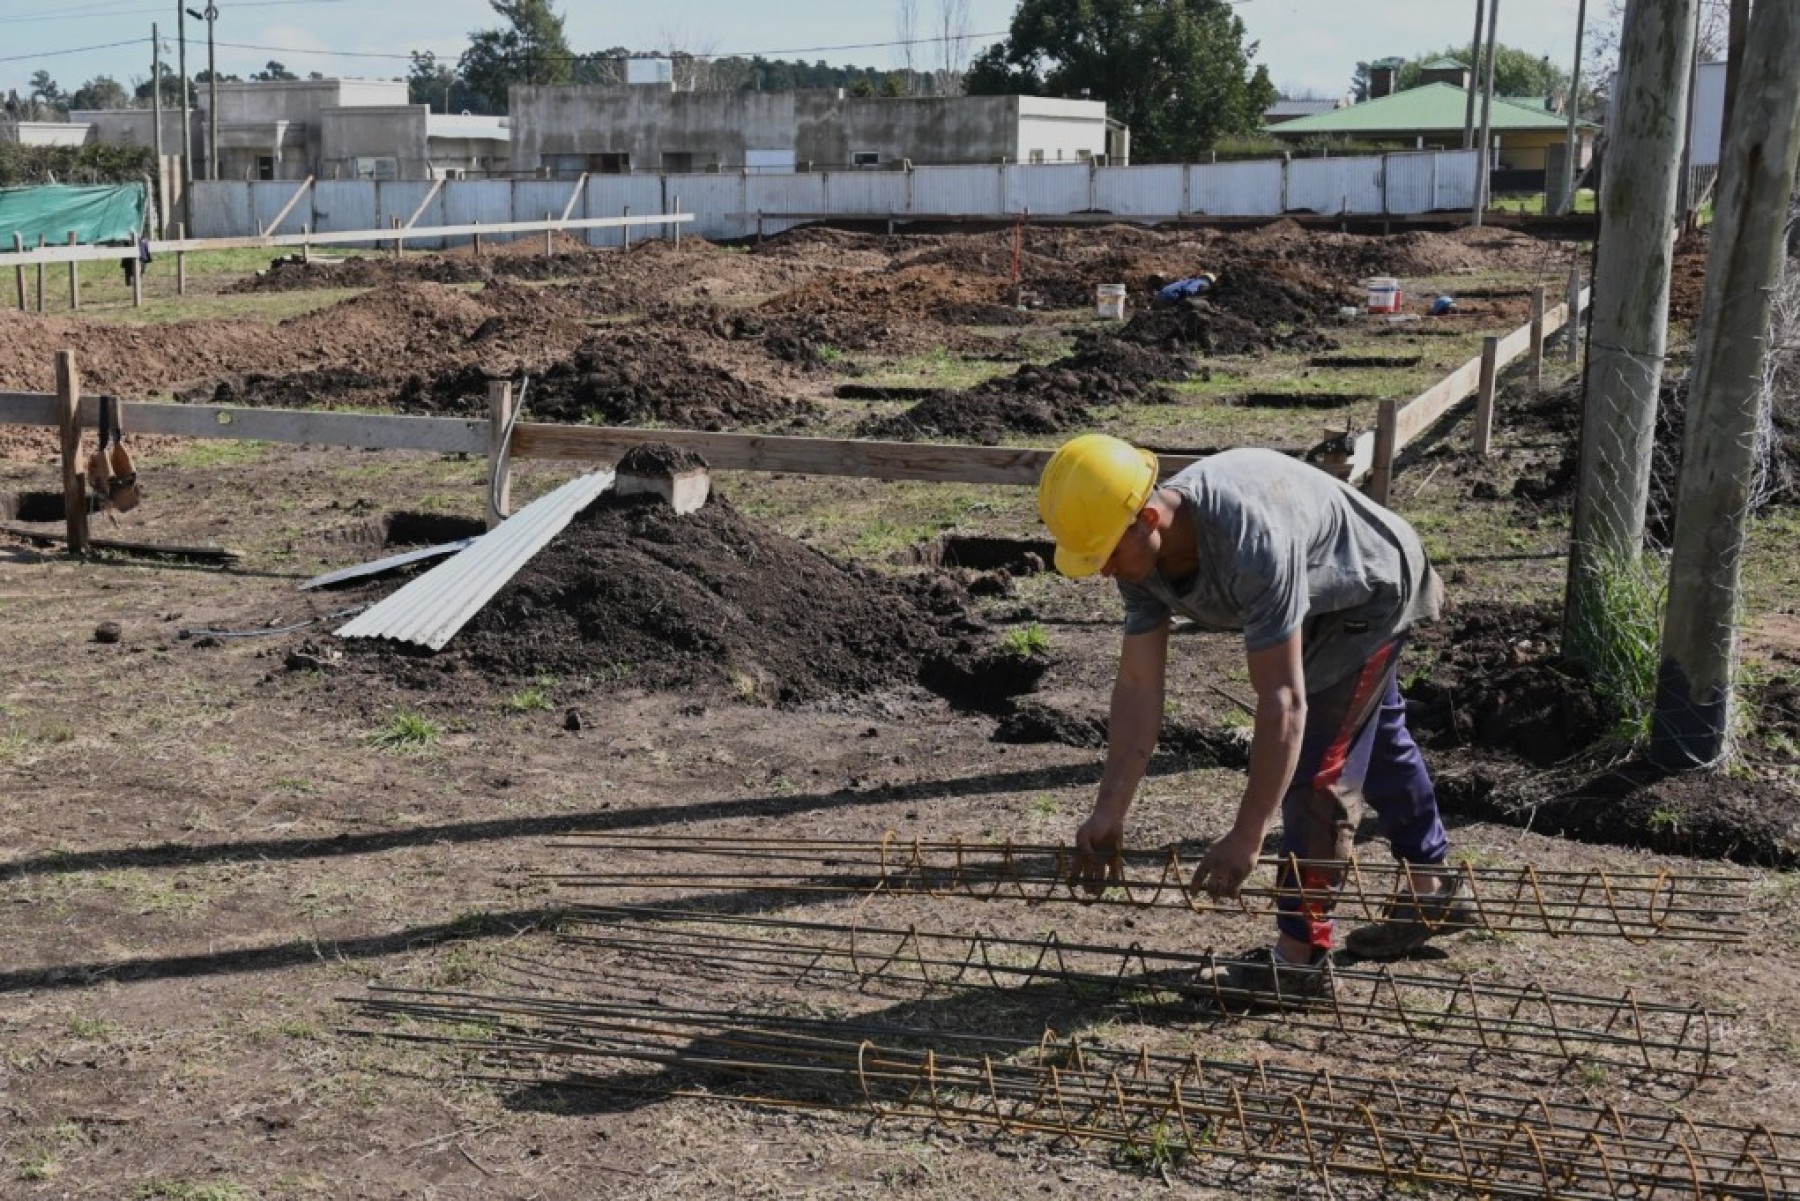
column 112, row 254
column 442, row 435
column 216, row 554
column 802, row 456
column 1424, row 410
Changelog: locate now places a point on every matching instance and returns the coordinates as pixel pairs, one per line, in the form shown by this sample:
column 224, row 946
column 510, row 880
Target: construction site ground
column 220, row 826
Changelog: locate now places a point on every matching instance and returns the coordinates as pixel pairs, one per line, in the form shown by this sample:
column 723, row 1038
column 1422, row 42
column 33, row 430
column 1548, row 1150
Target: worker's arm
column 1134, row 720
column 1280, row 683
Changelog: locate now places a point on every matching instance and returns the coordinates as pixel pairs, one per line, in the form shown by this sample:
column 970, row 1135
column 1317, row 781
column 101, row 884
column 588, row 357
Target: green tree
column 1176, row 71
column 144, row 95
column 437, row 84
column 102, row 91
column 1516, row 72
column 531, row 49
column 44, row 91
column 273, row 72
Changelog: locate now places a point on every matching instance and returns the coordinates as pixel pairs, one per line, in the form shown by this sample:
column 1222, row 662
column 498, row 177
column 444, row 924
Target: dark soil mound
column 711, row 603
column 1248, row 311
column 1498, row 684
column 1041, row 400
column 812, row 341
column 630, row 378
column 294, row 390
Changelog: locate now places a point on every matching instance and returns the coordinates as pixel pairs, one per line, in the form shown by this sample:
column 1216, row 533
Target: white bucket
column 1384, row 294
column 1109, row 302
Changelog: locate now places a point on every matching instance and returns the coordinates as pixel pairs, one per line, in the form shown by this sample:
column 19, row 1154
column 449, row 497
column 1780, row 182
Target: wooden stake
column 1537, row 340
column 395, row 221
column 181, row 262
column 1387, row 430
column 306, row 246
column 1572, row 345
column 74, row 274
column 19, row 272
column 137, row 277
column 549, row 237
column 68, row 396
column 500, row 410
column 1484, row 398
column 625, row 230
column 40, row 277
column 678, row 224
column 477, row 244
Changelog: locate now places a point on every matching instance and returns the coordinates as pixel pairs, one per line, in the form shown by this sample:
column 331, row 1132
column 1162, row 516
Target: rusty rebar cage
column 1636, row 906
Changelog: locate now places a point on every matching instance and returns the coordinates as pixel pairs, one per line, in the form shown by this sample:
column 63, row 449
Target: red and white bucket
column 1384, row 294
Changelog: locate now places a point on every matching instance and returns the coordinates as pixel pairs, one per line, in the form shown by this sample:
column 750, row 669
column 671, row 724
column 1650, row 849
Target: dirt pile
column 922, row 290
column 1278, row 308
column 1041, row 400
column 713, row 603
column 811, row 341
column 1353, row 257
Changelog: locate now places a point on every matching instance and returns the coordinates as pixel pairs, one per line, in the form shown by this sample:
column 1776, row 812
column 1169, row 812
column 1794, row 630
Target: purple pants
column 1356, row 748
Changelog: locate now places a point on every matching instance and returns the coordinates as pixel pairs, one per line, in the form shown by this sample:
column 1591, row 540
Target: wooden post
column 678, row 224
column 500, row 409
column 181, row 261
column 1727, row 403
column 75, row 485
column 40, row 277
column 74, row 274
column 137, row 277
column 759, row 227
column 395, row 221
column 1387, row 434
column 549, row 236
column 306, row 246
column 1630, row 332
column 1572, row 345
column 478, row 244
column 625, row 230
column 1484, row 398
column 1537, row 340
column 19, row 271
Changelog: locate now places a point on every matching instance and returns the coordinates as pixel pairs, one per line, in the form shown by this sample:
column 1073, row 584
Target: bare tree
column 953, row 45
column 695, row 63
column 906, row 32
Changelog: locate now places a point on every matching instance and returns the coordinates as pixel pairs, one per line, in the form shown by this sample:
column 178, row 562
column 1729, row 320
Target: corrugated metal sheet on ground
column 974, row 191
column 1335, row 185
column 1051, row 190
column 340, row 205
column 391, row 563
column 430, row 610
column 487, row 201
column 1145, row 191
column 1250, row 189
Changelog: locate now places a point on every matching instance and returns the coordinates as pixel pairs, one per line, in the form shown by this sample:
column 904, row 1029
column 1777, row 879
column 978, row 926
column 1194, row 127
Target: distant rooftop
column 1433, row 108
column 1300, row 108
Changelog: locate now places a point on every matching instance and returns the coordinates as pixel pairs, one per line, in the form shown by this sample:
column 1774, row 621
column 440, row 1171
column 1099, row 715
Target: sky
column 1309, row 46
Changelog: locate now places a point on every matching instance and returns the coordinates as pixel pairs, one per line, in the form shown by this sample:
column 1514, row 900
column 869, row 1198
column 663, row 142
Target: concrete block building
column 562, row 132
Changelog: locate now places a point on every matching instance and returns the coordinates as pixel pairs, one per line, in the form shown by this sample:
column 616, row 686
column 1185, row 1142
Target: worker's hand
column 1097, row 846
column 1227, row 864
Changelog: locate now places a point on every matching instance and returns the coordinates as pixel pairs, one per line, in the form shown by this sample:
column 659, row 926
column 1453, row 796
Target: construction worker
column 1325, row 584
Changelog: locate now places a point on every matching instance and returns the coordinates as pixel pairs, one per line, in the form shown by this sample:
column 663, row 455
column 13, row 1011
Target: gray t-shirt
column 1284, row 547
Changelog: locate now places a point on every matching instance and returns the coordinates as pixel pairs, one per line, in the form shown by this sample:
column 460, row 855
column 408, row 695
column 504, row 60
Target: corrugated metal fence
column 727, row 206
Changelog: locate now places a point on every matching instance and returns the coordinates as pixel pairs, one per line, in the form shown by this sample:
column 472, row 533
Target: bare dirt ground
column 226, row 830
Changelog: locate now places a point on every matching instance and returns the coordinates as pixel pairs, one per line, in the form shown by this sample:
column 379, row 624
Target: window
column 1037, row 156
column 865, row 158
column 376, row 168
column 677, row 162
column 265, row 166
column 610, row 163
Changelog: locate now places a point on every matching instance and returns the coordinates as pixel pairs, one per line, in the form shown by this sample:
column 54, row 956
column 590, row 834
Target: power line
column 109, row 8
column 20, row 58
column 599, row 57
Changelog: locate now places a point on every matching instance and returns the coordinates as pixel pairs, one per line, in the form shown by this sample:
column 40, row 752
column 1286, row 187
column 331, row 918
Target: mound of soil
column 809, row 341
column 1041, row 400
column 321, row 387
column 713, row 603
column 1247, row 312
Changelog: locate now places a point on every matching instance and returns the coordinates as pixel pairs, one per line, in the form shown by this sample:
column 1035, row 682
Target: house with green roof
column 1430, row 117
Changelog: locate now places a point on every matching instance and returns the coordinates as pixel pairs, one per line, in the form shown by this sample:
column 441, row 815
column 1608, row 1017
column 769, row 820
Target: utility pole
column 1727, row 401
column 1630, row 329
column 212, row 95
column 1572, row 157
column 1483, row 175
column 162, row 195
column 1474, row 80
column 187, row 131
column 1685, row 201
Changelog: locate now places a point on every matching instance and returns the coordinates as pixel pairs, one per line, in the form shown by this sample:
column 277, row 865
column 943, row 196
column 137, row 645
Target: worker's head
column 1091, row 492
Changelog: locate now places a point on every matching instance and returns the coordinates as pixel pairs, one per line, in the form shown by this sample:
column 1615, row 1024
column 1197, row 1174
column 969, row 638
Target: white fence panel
column 611, row 195
column 532, row 198
column 269, row 197
column 717, row 202
column 1058, row 190
column 1249, row 189
column 956, row 191
column 471, row 202
column 1140, row 191
column 768, row 193
column 868, row 193
column 395, row 200
column 220, row 209
column 1335, row 185
column 343, row 205
column 1457, row 173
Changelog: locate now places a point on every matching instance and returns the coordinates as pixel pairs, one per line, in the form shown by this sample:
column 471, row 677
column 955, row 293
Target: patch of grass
column 1045, row 806
column 182, row 1190
column 1022, row 642
column 1615, row 625
column 15, row 748
column 219, row 452
column 1163, row 1151
column 40, row 1165
column 1664, row 820
column 533, row 699
column 98, row 1030
column 408, row 733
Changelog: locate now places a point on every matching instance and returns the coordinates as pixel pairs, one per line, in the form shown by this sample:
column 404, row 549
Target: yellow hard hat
column 1091, row 491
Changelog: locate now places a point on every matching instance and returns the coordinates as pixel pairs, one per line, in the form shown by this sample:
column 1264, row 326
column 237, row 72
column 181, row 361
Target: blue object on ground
column 1183, row 289
column 1442, row 305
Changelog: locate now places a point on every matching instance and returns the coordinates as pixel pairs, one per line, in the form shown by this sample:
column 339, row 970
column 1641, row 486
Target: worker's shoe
column 1411, row 921
column 1262, row 980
